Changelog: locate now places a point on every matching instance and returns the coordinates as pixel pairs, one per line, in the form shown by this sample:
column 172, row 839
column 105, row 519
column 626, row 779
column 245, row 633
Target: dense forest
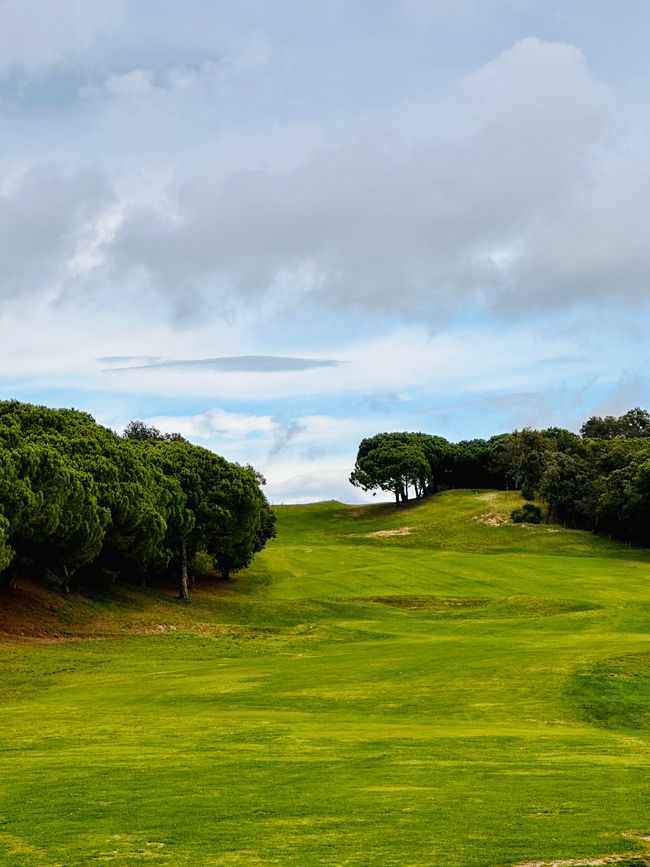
column 598, row 481
column 83, row 507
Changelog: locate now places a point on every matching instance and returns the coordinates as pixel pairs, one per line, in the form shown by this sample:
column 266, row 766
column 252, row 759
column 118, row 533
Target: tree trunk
column 66, row 580
column 183, row 591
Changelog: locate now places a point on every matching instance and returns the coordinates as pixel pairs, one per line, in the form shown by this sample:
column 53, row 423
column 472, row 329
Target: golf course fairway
column 427, row 684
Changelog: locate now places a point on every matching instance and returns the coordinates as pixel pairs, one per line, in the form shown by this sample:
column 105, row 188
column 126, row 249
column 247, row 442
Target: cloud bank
column 481, row 204
column 509, row 191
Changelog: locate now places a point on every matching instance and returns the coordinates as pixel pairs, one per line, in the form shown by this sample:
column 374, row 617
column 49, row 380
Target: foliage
column 397, row 462
column 476, row 463
column 139, row 430
column 78, row 502
column 223, row 510
column 631, row 425
column 599, row 481
column 529, row 513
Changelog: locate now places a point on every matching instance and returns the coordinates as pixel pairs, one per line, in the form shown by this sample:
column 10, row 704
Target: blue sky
column 280, row 227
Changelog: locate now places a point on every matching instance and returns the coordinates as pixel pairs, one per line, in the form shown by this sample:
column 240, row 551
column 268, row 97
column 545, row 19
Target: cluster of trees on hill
column 81, row 505
column 598, row 480
column 420, row 464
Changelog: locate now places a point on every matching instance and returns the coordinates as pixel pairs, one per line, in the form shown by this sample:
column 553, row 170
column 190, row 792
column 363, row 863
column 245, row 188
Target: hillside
column 421, row 685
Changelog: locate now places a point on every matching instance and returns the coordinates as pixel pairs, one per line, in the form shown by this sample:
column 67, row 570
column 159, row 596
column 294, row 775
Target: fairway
column 422, row 685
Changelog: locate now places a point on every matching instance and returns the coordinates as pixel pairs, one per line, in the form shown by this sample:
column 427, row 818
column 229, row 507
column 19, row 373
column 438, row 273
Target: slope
column 460, row 692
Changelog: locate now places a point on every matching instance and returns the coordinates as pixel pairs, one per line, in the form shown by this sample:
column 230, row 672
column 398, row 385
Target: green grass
column 470, row 694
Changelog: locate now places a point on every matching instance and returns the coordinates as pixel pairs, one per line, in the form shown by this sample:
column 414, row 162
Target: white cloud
column 508, row 193
column 311, row 436
column 38, row 34
column 216, row 423
column 382, row 222
column 592, row 246
column 147, row 119
column 406, row 361
column 316, row 483
column 146, row 86
column 46, row 218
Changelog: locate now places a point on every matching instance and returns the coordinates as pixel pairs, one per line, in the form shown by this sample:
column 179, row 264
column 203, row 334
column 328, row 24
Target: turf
column 465, row 692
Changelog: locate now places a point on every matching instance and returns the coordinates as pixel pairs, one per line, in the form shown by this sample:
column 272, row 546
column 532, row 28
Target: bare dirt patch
column 400, row 531
column 154, row 628
column 585, row 862
column 491, row 519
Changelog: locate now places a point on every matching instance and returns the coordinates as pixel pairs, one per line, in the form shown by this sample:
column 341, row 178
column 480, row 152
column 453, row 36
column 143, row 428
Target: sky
column 278, row 228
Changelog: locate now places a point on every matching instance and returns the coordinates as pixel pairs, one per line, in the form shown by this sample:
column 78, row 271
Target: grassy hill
column 422, row 685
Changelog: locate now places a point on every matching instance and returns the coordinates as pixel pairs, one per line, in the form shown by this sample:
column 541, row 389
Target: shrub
column 529, row 513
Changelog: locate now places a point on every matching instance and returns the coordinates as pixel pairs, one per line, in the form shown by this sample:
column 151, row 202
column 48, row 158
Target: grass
column 470, row 694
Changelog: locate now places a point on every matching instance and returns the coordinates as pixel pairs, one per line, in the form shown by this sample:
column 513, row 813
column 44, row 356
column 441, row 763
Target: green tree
column 138, row 430
column 124, row 485
column 631, row 425
column 250, row 522
column 78, row 500
column 616, row 512
column 224, row 513
column 529, row 452
column 398, row 462
column 571, row 491
column 53, row 517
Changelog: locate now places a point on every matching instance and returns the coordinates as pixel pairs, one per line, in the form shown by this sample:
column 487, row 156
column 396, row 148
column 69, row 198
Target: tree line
column 598, row 480
column 81, row 506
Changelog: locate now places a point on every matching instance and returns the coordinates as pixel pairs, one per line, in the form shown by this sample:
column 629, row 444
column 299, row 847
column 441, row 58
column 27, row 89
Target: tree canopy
column 598, row 481
column 400, row 463
column 80, row 504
